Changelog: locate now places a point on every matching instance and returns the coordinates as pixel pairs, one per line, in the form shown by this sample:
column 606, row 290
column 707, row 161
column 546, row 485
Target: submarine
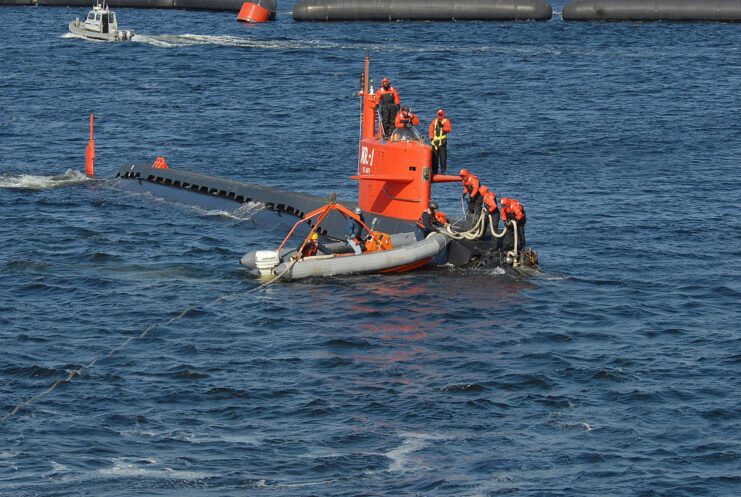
column 395, row 181
column 422, row 10
column 653, row 10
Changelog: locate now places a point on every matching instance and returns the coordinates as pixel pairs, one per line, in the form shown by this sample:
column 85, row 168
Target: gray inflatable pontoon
column 422, row 10
column 653, row 10
column 341, row 261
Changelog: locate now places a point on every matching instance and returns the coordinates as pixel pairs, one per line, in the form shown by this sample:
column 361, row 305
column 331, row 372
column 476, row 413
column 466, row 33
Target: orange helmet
column 463, row 173
column 441, row 113
column 385, row 81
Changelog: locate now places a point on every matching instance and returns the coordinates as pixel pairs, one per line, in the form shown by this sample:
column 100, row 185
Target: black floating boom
column 228, row 5
column 422, row 10
column 653, row 10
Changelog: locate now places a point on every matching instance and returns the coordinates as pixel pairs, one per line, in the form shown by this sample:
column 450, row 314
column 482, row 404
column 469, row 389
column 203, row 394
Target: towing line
column 476, row 231
column 77, row 372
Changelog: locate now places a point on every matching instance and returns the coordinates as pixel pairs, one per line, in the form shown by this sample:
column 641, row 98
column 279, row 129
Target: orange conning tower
column 394, row 176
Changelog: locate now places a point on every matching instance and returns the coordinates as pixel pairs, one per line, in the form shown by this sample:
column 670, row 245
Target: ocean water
column 136, row 359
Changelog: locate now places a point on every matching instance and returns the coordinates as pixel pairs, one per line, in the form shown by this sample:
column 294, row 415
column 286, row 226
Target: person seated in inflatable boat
column 313, row 247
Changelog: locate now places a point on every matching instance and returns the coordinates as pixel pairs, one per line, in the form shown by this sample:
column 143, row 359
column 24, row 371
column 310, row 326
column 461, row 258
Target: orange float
column 90, row 151
column 256, row 12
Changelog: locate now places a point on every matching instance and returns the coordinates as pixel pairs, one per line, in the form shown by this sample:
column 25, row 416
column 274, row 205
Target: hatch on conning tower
column 407, row 134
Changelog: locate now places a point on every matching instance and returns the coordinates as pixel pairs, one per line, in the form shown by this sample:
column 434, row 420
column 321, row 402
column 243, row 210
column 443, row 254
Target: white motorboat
column 100, row 24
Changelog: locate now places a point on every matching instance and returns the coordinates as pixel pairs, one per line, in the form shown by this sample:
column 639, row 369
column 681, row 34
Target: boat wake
column 33, row 182
column 190, row 40
column 79, row 37
column 187, row 40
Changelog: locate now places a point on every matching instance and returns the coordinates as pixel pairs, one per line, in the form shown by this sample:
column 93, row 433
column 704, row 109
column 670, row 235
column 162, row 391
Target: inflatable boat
column 379, row 252
column 341, row 260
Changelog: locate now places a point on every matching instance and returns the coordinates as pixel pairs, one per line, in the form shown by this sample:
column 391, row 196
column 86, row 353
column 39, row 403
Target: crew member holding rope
column 427, row 222
column 354, row 232
column 439, row 129
column 512, row 210
column 387, row 98
column 471, row 187
column 493, row 214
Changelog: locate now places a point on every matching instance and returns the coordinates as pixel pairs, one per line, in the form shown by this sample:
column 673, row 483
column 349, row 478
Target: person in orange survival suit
column 387, row 98
column 427, row 222
column 313, row 247
column 406, row 118
column 492, row 208
column 439, row 129
column 513, row 210
column 471, row 187
column 441, row 217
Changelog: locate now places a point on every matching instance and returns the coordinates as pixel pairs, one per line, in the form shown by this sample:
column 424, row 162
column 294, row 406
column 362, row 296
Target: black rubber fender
column 421, row 10
column 220, row 5
column 653, row 10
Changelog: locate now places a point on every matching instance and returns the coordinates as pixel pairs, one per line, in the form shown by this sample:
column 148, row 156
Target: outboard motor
column 266, row 261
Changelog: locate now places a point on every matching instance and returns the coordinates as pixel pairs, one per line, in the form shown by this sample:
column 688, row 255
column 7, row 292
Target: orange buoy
column 258, row 11
column 90, row 152
column 160, row 163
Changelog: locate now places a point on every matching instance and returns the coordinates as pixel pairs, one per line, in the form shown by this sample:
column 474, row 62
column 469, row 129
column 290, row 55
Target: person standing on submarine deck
column 387, row 98
column 439, row 129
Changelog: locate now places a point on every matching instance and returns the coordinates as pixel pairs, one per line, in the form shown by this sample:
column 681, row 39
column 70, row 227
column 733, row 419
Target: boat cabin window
column 112, row 17
column 90, row 16
column 97, row 17
column 407, row 135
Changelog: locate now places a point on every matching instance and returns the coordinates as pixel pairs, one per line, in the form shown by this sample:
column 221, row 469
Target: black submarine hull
column 422, row 10
column 207, row 191
column 653, row 10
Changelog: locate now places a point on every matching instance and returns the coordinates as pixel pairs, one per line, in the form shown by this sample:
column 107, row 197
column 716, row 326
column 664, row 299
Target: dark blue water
column 617, row 374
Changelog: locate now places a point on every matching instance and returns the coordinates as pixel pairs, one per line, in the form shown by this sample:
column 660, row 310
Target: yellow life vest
column 439, row 135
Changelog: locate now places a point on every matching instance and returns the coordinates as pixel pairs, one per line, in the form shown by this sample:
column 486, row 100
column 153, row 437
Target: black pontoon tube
column 421, row 10
column 653, row 10
column 224, row 5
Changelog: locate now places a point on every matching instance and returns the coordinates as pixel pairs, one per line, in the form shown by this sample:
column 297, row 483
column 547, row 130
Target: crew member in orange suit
column 492, row 208
column 439, row 129
column 406, row 118
column 427, row 222
column 387, row 98
column 471, row 188
column 513, row 210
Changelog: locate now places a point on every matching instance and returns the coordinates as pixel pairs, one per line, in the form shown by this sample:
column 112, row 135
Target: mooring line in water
column 77, row 372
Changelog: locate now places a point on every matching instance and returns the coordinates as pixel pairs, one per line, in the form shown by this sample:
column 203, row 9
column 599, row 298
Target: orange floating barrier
column 259, row 11
column 90, row 152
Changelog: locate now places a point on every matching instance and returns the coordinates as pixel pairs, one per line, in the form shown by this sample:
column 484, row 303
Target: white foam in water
column 58, row 468
column 33, row 182
column 185, row 40
column 73, row 35
column 412, row 442
column 148, row 468
column 244, row 212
